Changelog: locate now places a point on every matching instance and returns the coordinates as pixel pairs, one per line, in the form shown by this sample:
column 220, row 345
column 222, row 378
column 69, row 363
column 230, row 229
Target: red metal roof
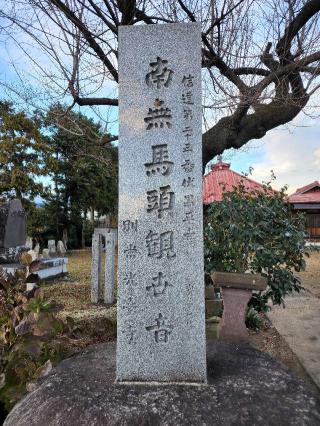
column 222, row 179
column 307, row 194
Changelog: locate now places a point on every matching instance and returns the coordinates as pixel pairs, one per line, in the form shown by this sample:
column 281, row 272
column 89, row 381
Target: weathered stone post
column 96, row 267
column 161, row 315
column 103, row 288
column 109, row 269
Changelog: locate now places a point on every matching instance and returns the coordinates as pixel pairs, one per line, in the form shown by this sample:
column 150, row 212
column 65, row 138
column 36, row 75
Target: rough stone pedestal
column 236, row 293
column 232, row 325
column 245, row 387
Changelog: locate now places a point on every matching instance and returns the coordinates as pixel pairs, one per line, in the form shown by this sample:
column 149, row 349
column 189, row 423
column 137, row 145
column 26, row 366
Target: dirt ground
column 311, row 276
column 73, row 292
column 97, row 323
column 269, row 340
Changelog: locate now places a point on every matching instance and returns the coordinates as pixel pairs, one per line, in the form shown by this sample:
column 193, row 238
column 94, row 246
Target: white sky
column 292, row 153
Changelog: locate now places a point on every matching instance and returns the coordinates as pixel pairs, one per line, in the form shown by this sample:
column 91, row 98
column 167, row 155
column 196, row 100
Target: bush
column 253, row 320
column 31, row 336
column 256, row 232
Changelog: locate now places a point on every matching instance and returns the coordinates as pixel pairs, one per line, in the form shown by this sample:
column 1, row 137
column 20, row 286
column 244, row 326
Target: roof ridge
column 306, row 187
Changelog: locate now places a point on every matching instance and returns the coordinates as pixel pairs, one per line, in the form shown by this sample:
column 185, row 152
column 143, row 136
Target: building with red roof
column 307, row 200
column 222, row 179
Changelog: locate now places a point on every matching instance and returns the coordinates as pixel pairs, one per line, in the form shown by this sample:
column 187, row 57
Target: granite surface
column 103, row 249
column 245, row 387
column 109, row 271
column 96, row 268
column 161, row 313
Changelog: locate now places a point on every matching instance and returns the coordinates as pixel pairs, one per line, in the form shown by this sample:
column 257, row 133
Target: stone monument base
column 245, row 387
column 50, row 268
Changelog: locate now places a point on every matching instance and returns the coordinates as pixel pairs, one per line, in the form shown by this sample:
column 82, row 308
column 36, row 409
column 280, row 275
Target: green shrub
column 253, row 319
column 30, row 341
column 256, row 232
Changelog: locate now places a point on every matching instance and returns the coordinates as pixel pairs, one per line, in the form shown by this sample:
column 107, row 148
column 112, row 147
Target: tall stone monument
column 161, row 324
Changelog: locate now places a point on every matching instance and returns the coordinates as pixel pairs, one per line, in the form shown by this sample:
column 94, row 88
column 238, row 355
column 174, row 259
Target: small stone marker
column 37, row 248
column 45, row 253
column 61, row 250
column 52, row 246
column 161, row 314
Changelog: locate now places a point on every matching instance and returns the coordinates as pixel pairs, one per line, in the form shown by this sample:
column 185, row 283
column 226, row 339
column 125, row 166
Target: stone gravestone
column 12, row 231
column 61, row 250
column 103, row 240
column 52, row 246
column 161, row 315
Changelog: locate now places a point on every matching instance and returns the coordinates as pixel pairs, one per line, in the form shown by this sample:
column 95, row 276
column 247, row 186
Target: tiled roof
column 222, row 179
column 307, row 194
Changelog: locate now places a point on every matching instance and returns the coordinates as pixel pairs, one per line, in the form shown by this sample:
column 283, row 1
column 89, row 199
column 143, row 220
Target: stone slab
column 49, row 267
column 241, row 281
column 161, row 314
column 299, row 324
column 245, row 387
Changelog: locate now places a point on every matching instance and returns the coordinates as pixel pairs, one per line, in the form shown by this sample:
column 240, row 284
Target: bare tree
column 261, row 59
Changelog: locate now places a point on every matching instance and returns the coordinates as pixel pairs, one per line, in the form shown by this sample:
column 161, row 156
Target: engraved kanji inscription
column 187, row 113
column 128, row 225
column 188, row 166
column 160, row 201
column 189, row 201
column 187, row 147
column 160, row 161
column 131, row 252
column 189, row 233
column 161, row 75
column 188, row 182
column 189, row 218
column 159, row 285
column 159, row 116
column 162, row 329
column 160, row 245
column 129, row 333
column 187, row 132
column 187, row 98
column 187, row 80
column 130, row 278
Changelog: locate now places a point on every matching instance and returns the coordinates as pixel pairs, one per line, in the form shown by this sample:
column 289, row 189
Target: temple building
column 222, row 179
column 307, row 200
